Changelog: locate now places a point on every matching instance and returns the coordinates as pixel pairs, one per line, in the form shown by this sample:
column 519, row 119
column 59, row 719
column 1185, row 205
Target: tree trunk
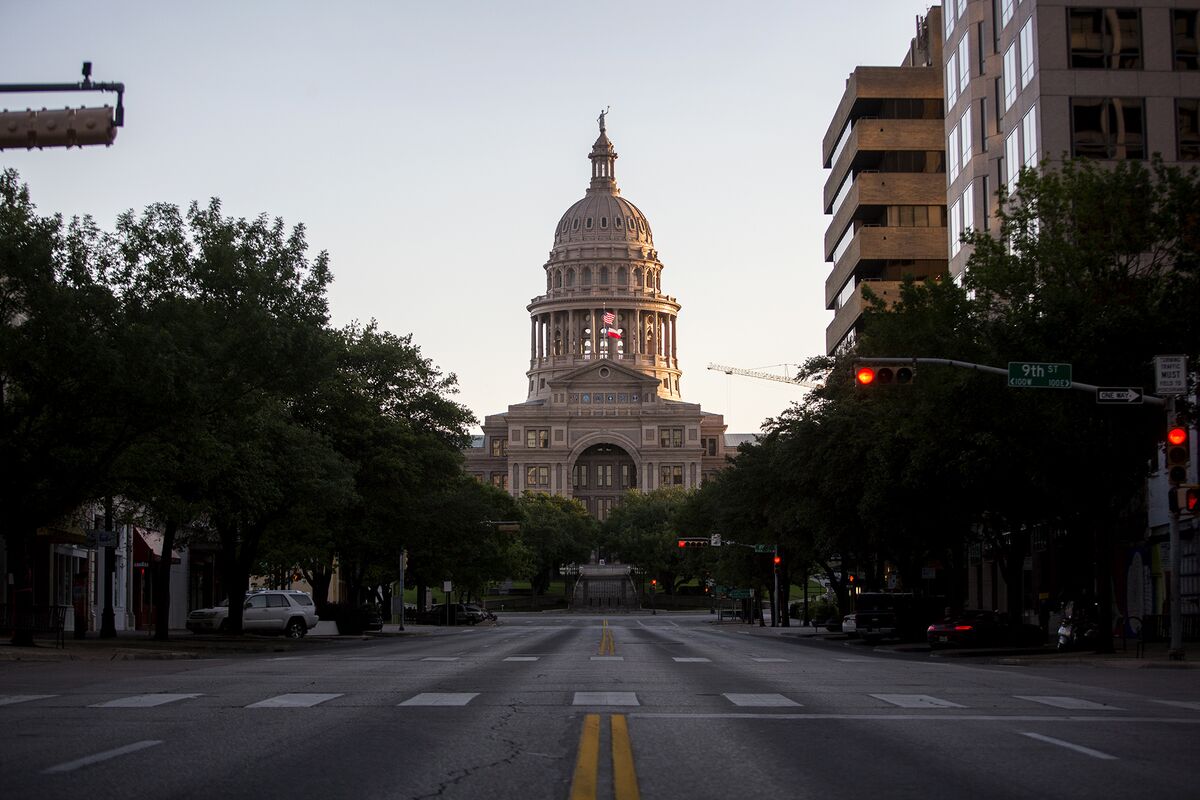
column 162, row 583
column 22, row 568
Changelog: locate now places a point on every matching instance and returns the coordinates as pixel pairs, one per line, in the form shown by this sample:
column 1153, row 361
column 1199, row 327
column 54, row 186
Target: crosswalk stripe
column 761, row 700
column 1181, row 704
column 1073, row 703
column 608, row 658
column 441, row 699
column 522, row 658
column 440, row 658
column 10, row 699
column 915, row 701
column 770, row 660
column 606, row 699
column 296, row 700
column 144, row 700
column 684, row 660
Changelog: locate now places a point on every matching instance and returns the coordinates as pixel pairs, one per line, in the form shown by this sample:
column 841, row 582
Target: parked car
column 287, row 611
column 983, row 629
column 459, row 614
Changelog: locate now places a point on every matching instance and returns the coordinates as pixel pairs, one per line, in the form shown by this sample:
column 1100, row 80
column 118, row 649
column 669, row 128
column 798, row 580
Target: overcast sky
column 432, row 147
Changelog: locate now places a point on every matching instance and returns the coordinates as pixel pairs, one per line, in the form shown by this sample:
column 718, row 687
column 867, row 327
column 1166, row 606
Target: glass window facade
column 1108, row 127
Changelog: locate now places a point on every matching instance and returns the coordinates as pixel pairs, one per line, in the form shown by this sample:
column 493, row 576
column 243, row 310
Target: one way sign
column 1118, row 395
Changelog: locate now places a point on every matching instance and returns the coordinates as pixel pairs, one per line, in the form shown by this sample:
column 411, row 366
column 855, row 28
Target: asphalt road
column 666, row 706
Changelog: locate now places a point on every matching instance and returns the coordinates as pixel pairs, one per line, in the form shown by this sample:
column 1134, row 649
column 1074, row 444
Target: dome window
column 617, row 221
column 589, row 223
column 604, row 222
column 575, row 224
column 632, row 224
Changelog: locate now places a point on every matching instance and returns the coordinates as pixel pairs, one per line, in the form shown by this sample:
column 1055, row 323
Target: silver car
column 287, row 611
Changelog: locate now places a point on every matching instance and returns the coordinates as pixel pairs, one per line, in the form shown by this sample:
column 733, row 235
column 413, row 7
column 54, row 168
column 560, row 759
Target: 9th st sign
column 1038, row 375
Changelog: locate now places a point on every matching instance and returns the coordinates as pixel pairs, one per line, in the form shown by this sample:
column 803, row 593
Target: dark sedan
column 983, row 629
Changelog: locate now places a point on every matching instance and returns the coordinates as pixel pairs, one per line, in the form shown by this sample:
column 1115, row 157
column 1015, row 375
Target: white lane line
column 522, row 658
column 857, row 660
column 916, row 701
column 684, row 660
column 294, row 700
column 440, row 658
column 8, row 700
column 770, row 660
column 606, row 699
column 608, row 658
column 1078, row 748
column 1069, row 703
column 441, row 699
column 105, row 756
column 144, row 701
column 760, row 700
column 1180, row 704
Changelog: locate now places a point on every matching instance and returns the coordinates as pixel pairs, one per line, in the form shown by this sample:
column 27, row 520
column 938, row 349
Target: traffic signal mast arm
column 949, row 362
column 86, row 85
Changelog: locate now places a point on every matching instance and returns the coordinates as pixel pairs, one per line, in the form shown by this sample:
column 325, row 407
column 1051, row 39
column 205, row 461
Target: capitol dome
column 603, row 215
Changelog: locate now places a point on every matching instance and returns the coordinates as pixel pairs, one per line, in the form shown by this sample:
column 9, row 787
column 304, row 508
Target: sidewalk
column 183, row 644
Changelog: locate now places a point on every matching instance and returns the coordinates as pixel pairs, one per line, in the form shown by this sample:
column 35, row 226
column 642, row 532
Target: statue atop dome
column 600, row 118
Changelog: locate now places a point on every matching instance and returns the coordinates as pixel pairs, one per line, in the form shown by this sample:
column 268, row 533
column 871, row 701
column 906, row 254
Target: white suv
column 287, row 611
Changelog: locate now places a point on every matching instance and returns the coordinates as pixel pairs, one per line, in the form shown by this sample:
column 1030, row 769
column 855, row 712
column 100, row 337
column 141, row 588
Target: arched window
column 604, row 222
column 575, row 224
column 570, row 277
column 585, row 276
column 637, row 277
column 617, row 221
column 558, row 346
column 657, row 281
column 589, row 223
column 622, row 277
column 558, row 279
column 604, row 275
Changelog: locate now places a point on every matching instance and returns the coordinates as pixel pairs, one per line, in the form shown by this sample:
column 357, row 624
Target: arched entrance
column 600, row 475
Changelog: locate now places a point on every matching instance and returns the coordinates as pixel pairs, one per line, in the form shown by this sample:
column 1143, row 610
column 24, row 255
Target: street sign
column 715, row 540
column 1170, row 375
column 764, row 548
column 739, row 594
column 1038, row 375
column 1118, row 395
column 102, row 538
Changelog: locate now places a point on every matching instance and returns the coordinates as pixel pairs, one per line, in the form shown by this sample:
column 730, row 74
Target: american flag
column 610, row 318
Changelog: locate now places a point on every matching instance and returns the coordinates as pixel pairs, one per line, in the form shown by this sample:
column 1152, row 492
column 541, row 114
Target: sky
column 431, row 148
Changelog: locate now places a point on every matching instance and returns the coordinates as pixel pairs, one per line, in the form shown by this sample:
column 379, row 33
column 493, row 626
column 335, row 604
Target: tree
column 642, row 530
column 556, row 530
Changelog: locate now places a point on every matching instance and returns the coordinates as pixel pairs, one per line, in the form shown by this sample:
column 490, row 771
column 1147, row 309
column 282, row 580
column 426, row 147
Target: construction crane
column 766, row 376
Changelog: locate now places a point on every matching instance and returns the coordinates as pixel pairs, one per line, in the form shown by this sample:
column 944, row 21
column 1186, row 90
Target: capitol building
column 604, row 411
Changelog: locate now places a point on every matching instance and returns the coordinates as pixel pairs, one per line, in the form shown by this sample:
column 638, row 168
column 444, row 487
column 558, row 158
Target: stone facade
column 604, row 412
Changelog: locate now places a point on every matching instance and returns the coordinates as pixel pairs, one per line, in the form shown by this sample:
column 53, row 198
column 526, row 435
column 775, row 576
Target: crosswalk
column 923, row 702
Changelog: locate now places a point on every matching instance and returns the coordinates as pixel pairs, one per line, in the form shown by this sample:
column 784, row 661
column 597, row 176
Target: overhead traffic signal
column 65, row 127
column 685, row 543
column 1178, row 455
column 882, row 374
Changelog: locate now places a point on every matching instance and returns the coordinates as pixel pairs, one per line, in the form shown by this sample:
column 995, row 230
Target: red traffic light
column 864, row 376
column 1177, row 436
column 683, row 542
column 1177, row 454
column 654, row 581
column 778, row 559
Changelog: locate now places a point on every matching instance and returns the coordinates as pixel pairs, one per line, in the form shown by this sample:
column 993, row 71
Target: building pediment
column 604, row 372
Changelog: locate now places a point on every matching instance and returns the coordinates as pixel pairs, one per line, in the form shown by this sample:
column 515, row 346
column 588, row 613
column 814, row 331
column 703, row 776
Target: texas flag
column 610, row 319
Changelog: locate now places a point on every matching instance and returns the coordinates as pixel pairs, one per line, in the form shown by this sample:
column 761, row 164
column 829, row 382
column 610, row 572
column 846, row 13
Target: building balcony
column 849, row 314
column 873, row 190
column 886, row 244
column 872, row 136
column 868, row 85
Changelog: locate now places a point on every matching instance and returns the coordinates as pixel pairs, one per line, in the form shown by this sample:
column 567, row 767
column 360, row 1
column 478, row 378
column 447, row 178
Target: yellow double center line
column 587, row 766
column 625, row 786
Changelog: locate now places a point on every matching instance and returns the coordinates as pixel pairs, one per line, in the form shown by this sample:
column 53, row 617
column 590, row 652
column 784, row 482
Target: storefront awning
column 148, row 546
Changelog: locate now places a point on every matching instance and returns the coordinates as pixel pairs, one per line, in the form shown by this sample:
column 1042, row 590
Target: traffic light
column 1177, row 454
column 777, row 560
column 1184, row 500
column 882, row 375
column 66, row 127
column 685, row 543
column 654, row 583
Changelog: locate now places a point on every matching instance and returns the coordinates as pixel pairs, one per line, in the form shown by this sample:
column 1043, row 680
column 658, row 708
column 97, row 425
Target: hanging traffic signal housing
column 62, row 127
column 1178, row 455
column 686, row 543
column 867, row 374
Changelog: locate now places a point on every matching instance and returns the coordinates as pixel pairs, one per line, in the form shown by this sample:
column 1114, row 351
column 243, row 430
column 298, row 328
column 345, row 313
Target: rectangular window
column 670, row 475
column 579, row 476
column 499, row 446
column 1006, row 12
column 1029, row 138
column 537, row 437
column 626, row 477
column 1026, row 52
column 968, row 200
column 1010, row 76
column 538, row 476
column 964, row 62
column 604, row 475
column 983, row 125
column 965, row 137
column 1012, row 161
column 1187, row 125
column 952, row 154
column 1108, row 127
column 1105, row 38
column 500, row 480
column 670, row 437
column 1185, row 39
column 949, row 21
column 962, row 8
column 955, row 227
column 951, row 80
